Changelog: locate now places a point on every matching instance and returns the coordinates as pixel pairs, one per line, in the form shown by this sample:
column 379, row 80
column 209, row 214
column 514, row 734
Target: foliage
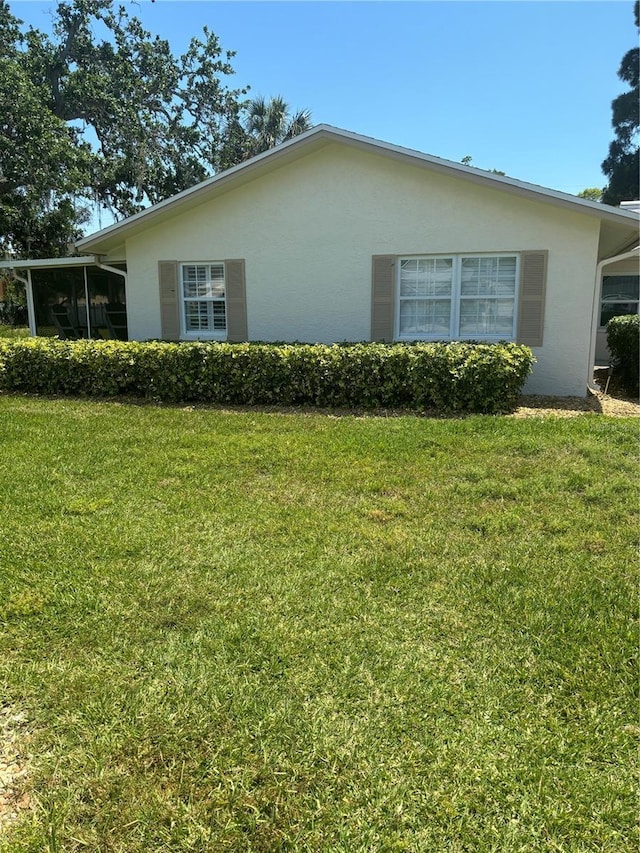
column 99, row 112
column 250, row 631
column 13, row 302
column 99, row 109
column 14, row 333
column 466, row 161
column 268, row 123
column 591, row 194
column 454, row 377
column 42, row 160
column 623, row 340
column 622, row 166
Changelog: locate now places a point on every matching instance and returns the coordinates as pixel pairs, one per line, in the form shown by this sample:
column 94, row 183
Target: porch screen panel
column 107, row 298
column 60, row 302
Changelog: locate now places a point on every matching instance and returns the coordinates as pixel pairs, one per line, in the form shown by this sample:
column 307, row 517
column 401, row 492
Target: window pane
column 190, row 280
column 205, row 316
column 426, row 277
column 215, row 283
column 196, row 316
column 619, row 288
column 616, row 309
column 488, row 276
column 486, row 317
column 219, row 316
column 425, row 317
column 203, row 280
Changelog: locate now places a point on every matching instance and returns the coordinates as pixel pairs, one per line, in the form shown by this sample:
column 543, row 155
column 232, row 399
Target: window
column 203, row 299
column 620, row 295
column 461, row 296
column 426, row 290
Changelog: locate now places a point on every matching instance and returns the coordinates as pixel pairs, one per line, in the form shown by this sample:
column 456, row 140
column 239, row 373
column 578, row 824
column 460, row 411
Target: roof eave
column 48, row 263
column 321, row 134
column 257, row 163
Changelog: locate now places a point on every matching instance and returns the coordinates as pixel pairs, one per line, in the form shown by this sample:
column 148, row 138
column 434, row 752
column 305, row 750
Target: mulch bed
column 596, row 403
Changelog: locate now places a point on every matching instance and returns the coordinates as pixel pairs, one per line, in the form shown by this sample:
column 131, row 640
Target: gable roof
column 316, row 138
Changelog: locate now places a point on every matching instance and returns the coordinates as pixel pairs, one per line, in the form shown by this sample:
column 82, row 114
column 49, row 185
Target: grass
column 248, row 631
column 13, row 332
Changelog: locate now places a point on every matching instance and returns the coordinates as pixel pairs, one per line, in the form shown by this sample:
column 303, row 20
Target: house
column 336, row 237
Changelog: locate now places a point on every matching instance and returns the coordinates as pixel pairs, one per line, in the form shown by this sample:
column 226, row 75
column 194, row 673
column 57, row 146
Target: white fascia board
column 328, row 133
column 48, row 263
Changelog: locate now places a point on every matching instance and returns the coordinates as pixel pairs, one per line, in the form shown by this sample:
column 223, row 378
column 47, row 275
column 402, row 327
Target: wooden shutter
column 533, row 285
column 382, row 297
column 169, row 302
column 236, row 297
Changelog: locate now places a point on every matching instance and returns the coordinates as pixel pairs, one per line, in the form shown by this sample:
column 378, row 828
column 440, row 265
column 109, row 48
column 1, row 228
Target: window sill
column 487, row 339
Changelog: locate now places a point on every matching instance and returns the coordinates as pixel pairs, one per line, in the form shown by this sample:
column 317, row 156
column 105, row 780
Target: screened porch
column 72, row 299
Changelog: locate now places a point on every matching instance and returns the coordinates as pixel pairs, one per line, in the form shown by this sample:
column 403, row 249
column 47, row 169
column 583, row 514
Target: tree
column 115, row 120
column 591, row 193
column 268, row 123
column 42, row 161
column 13, row 302
column 623, row 163
column 466, row 161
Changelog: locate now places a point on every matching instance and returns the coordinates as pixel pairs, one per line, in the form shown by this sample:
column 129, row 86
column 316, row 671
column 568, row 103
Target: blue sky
column 525, row 87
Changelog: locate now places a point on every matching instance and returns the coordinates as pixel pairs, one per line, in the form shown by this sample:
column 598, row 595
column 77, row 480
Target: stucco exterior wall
column 307, row 232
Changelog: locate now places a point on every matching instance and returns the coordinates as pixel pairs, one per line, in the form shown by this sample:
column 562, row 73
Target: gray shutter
column 533, row 285
column 382, row 297
column 169, row 302
column 236, row 298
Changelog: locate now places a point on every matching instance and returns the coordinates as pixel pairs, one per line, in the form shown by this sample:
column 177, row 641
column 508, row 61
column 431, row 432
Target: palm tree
column 269, row 123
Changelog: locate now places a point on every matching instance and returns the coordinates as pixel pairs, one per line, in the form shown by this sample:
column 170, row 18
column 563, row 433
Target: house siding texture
column 308, row 231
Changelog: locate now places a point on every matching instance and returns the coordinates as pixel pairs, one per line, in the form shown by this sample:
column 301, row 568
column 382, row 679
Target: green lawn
column 244, row 631
column 13, row 332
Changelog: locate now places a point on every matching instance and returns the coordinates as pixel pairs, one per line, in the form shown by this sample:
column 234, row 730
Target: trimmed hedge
column 452, row 377
column 623, row 340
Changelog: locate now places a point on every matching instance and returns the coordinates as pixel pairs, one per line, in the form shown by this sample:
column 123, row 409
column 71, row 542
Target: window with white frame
column 457, row 296
column 203, row 298
column 620, row 295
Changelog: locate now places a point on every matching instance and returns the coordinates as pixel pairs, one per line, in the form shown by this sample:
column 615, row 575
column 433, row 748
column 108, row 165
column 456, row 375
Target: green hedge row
column 623, row 340
column 454, row 377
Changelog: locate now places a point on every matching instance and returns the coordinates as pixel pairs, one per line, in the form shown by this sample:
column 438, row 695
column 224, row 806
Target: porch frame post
column 31, row 307
column 86, row 296
column 28, row 289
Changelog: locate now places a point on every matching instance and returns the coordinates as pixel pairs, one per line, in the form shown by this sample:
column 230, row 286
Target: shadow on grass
column 527, row 406
column 589, row 403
